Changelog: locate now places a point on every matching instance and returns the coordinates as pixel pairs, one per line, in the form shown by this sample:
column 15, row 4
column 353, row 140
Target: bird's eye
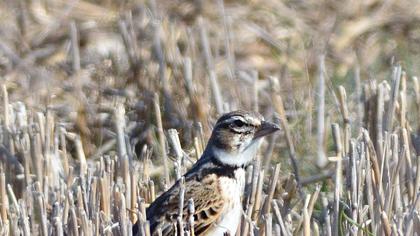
column 239, row 123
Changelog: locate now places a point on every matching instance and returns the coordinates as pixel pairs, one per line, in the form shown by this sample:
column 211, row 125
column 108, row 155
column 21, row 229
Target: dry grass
column 106, row 104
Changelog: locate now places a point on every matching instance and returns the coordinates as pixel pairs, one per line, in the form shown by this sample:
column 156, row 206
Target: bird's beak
column 266, row 128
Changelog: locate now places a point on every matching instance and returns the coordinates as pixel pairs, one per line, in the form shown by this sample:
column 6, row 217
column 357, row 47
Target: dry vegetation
column 107, row 103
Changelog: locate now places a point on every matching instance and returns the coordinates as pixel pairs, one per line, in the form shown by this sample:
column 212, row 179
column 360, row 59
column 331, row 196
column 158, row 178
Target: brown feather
column 208, row 203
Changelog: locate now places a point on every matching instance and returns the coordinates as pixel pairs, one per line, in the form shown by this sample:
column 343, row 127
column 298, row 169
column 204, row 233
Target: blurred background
column 202, row 58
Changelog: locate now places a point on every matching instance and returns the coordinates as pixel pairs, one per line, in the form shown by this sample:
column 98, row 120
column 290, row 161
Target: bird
column 216, row 181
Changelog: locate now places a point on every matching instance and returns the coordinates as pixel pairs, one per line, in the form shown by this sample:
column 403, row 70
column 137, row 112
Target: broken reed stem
column 403, row 100
column 353, row 195
column 197, row 148
column 6, row 115
column 42, row 213
column 301, row 219
column 191, row 211
column 123, row 216
column 327, row 218
column 105, row 197
column 180, row 219
column 152, row 191
column 373, row 158
column 416, row 86
column 392, row 185
column 321, row 157
column 198, row 126
column 24, row 218
column 79, row 150
column 272, row 188
column 306, row 217
column 161, row 140
column 134, row 177
column 268, row 226
column 279, row 218
column 3, row 197
column 73, row 221
column 313, row 200
column 13, row 199
column 346, row 118
column 385, row 224
column 176, row 146
column 123, row 161
column 369, row 188
column 417, row 180
column 379, row 119
column 250, row 198
column 338, row 176
column 266, row 208
column 396, row 76
column 409, row 176
column 63, row 149
column 147, row 229
column 258, row 197
column 8, row 141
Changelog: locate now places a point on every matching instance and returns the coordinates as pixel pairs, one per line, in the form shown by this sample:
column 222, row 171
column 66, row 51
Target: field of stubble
column 106, row 103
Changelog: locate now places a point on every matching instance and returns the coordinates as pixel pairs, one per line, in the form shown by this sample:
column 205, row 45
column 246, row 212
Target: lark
column 216, row 181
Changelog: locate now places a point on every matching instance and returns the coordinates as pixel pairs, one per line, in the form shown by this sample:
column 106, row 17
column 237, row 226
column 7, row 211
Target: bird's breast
column 232, row 190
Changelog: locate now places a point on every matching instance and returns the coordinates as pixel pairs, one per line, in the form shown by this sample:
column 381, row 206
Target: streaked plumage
column 216, row 181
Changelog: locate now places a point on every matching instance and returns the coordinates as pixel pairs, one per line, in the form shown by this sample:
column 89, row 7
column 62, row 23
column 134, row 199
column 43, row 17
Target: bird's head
column 237, row 135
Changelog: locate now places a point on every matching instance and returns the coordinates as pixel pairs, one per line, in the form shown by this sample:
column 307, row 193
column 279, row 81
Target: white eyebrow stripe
column 247, row 120
column 233, row 118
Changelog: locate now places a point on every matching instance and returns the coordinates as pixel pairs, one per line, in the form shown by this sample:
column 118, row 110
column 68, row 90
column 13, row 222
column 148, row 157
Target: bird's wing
column 208, row 203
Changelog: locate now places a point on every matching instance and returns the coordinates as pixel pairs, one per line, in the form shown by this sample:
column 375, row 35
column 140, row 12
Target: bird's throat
column 237, row 158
